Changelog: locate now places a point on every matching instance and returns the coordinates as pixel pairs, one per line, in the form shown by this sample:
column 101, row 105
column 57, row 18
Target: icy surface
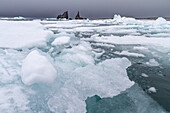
column 87, row 81
column 129, row 54
column 152, row 90
column 20, row 34
column 163, row 42
column 160, row 21
column 77, row 56
column 19, row 18
column 152, row 62
column 54, row 66
column 144, row 75
column 133, row 100
column 140, row 48
column 37, row 69
column 61, row 40
column 13, row 99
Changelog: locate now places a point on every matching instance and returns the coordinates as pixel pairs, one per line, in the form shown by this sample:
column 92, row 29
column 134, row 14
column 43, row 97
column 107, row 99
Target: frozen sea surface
column 119, row 65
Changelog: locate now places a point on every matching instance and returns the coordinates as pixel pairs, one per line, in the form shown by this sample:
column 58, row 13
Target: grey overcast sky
column 87, row 8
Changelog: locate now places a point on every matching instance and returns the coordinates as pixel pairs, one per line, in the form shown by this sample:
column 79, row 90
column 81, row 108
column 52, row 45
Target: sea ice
column 158, row 42
column 127, row 53
column 22, row 34
column 118, row 19
column 144, row 75
column 152, row 89
column 77, row 56
column 104, row 44
column 13, row 99
column 152, row 62
column 140, row 48
column 61, row 40
column 19, row 18
column 10, row 64
column 37, row 69
column 79, row 73
column 160, row 21
column 104, row 79
column 133, row 100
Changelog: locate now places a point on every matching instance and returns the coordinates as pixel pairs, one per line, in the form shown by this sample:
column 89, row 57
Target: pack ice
column 62, row 66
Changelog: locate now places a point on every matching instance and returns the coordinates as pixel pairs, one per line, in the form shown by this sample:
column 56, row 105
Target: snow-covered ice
column 127, row 53
column 152, row 62
column 144, row 75
column 37, row 69
column 19, row 18
column 140, row 48
column 23, row 34
column 13, row 99
column 160, row 42
column 160, row 21
column 152, row 89
column 87, row 81
column 61, row 40
column 54, row 66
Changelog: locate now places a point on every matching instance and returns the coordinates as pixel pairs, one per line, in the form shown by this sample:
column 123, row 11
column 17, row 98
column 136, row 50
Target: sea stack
column 64, row 15
column 78, row 16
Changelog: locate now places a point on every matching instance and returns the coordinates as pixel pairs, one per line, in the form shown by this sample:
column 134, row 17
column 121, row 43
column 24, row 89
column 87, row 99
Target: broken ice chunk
column 152, row 90
column 37, row 69
column 61, row 40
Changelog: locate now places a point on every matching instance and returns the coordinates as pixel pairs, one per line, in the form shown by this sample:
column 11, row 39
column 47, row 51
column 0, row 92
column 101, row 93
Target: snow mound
column 61, row 40
column 160, row 21
column 37, row 69
column 22, row 34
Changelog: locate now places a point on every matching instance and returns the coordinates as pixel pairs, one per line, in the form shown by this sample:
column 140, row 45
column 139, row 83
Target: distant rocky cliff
column 64, row 15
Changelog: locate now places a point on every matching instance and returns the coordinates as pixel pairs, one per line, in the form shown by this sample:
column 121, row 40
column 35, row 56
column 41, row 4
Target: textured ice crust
column 37, row 69
column 13, row 99
column 104, row 79
column 77, row 56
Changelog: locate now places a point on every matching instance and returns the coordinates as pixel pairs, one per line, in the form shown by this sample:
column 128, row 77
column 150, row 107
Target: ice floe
column 100, row 79
column 152, row 62
column 127, row 53
column 140, row 48
column 61, row 40
column 22, row 34
column 162, row 42
column 144, row 75
column 152, row 90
